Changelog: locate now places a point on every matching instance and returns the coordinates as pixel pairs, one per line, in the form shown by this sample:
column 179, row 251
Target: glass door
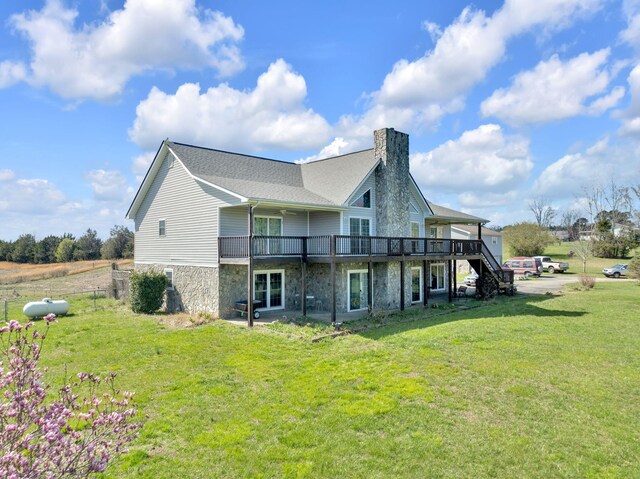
column 268, row 289
column 416, row 285
column 358, row 290
column 359, row 227
column 267, row 226
column 437, row 277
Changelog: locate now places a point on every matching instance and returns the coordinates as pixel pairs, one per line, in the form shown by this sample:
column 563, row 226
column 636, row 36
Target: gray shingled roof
column 324, row 182
column 449, row 214
column 474, row 230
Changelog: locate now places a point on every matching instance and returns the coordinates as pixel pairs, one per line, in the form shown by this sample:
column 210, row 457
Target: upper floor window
column 415, row 229
column 494, row 240
column 364, row 201
column 435, row 232
column 162, row 227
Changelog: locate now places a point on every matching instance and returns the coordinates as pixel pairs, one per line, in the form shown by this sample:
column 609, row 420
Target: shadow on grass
column 523, row 306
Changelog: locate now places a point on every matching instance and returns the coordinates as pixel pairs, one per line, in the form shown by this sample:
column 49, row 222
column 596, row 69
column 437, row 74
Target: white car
column 470, row 280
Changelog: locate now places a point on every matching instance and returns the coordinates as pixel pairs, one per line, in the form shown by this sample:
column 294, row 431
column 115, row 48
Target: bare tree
column 542, row 211
column 568, row 222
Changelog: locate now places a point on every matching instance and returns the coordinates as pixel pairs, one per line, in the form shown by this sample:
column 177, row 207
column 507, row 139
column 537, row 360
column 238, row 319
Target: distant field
column 560, row 252
column 14, row 273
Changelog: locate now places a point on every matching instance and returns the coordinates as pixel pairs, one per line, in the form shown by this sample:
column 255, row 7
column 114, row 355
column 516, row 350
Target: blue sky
column 504, row 102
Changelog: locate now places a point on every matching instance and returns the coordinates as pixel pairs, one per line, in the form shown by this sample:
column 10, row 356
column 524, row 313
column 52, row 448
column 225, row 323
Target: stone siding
column 195, row 288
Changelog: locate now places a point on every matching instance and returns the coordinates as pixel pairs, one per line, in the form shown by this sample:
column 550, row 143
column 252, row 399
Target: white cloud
column 6, row 175
column 554, row 90
column 109, row 186
column 272, row 115
column 631, row 117
column 141, row 164
column 483, row 159
column 336, row 148
column 97, row 60
column 600, row 162
column 488, row 199
column 416, row 94
column 11, row 73
column 32, row 196
column 631, row 35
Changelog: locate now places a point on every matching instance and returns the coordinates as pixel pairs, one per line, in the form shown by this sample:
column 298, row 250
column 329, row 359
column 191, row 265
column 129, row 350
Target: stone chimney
column 392, row 182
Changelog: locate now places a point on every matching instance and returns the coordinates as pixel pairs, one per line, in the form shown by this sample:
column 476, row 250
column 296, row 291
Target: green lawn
column 523, row 387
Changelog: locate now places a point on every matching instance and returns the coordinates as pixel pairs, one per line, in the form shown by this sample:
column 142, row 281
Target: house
column 348, row 233
column 492, row 238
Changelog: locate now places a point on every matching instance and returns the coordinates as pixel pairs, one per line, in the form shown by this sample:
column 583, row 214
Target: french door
column 359, row 227
column 267, row 226
column 268, row 289
column 358, row 290
column 437, row 277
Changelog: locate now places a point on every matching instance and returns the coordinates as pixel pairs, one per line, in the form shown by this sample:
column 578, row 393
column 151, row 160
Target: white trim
column 359, row 271
column 171, row 285
column 173, row 263
column 342, row 222
column 308, row 227
column 370, row 207
column 268, row 273
column 421, row 276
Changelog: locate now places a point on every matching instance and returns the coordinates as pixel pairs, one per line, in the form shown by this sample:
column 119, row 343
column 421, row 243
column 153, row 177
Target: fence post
column 94, row 299
column 6, row 311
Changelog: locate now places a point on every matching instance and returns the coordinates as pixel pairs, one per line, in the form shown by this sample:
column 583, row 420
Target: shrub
column 147, row 291
column 527, row 239
column 634, row 269
column 587, row 281
column 69, row 437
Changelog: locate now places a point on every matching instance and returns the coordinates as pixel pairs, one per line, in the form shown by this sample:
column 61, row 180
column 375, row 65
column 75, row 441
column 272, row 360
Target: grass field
column 12, row 273
column 543, row 386
column 560, row 252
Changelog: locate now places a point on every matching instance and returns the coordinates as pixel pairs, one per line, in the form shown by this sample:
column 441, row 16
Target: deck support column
column 370, row 287
column 455, row 278
column 449, row 280
column 333, row 292
column 425, row 283
column 303, row 296
column 250, row 270
column 401, row 285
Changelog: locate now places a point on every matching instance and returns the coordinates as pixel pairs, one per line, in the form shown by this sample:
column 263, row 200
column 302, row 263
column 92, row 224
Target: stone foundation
column 195, row 288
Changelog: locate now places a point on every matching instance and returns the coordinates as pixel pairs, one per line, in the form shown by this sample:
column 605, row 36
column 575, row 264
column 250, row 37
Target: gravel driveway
column 555, row 282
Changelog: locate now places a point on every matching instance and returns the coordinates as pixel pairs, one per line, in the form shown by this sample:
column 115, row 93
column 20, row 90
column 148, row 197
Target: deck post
column 250, row 270
column 479, row 231
column 425, row 283
column 402, row 284
column 455, row 279
column 370, row 286
column 304, row 288
column 449, row 280
column 333, row 291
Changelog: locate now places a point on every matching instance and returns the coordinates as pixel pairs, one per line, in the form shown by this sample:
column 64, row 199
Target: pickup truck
column 552, row 266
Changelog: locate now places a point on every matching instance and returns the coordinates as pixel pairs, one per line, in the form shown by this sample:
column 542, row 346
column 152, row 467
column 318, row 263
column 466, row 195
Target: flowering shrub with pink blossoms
column 68, row 437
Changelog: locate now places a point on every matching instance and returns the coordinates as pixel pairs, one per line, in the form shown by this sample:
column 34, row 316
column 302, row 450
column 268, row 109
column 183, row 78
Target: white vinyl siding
column 324, row 223
column 354, row 211
column 190, row 209
column 234, row 221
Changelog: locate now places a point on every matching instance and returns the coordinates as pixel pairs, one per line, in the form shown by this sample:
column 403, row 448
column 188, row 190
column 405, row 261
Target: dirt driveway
column 555, row 282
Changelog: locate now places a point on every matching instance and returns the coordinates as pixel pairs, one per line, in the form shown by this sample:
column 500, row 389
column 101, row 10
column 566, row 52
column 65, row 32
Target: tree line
column 608, row 226
column 65, row 248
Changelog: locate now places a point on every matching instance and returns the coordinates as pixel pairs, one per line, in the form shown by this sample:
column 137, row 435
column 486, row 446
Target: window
column 364, row 201
column 415, row 229
column 494, row 240
column 169, row 274
column 268, row 289
column 416, row 285
column 435, row 232
column 359, row 227
column 162, row 228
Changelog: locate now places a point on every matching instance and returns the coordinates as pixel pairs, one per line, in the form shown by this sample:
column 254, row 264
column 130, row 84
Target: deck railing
column 344, row 245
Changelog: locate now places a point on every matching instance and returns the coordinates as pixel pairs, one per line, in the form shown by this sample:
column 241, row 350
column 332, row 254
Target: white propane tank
column 38, row 309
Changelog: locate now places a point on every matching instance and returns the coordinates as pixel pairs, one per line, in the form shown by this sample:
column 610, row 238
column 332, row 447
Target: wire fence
column 79, row 301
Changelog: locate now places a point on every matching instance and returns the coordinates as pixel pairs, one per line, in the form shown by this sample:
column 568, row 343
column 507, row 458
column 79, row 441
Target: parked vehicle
column 552, row 266
column 615, row 271
column 524, row 266
column 470, row 280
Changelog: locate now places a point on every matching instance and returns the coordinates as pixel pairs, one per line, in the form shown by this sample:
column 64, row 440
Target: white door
column 268, row 289
column 358, row 292
column 416, row 285
column 437, row 277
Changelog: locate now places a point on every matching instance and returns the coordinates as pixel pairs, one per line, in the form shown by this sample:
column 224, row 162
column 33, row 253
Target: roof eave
column 292, row 204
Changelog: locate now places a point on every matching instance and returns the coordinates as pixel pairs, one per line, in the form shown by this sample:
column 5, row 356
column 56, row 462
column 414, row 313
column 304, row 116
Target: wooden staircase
column 488, row 266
